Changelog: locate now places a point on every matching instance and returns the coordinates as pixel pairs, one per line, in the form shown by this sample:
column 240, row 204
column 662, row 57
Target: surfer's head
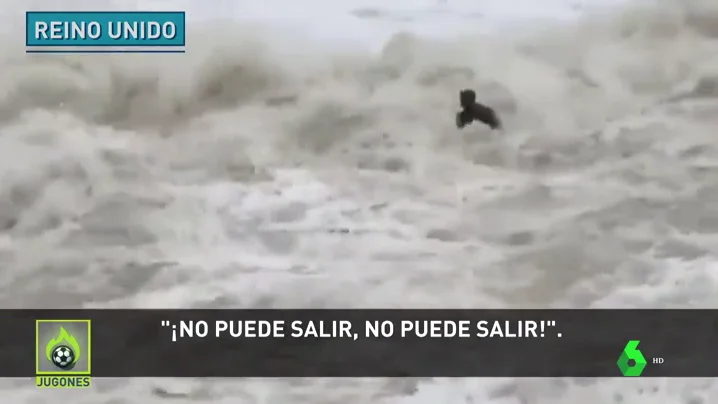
column 467, row 98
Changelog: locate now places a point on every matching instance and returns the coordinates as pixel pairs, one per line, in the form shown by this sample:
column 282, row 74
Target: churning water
column 259, row 171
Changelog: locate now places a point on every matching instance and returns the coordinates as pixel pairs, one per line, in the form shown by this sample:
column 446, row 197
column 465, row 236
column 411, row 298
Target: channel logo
column 63, row 353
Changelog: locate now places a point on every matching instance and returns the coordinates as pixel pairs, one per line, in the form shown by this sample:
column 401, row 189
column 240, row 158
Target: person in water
column 473, row 111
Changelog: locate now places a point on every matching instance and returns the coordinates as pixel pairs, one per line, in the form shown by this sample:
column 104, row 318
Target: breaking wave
column 261, row 171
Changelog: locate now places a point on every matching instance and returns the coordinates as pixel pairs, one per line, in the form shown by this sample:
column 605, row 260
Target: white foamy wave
column 260, row 170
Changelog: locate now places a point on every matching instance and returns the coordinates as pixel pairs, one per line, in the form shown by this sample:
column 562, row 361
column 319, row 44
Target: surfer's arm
column 463, row 118
column 486, row 115
column 478, row 112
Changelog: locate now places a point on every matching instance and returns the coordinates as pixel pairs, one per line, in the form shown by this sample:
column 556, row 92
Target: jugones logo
column 63, row 353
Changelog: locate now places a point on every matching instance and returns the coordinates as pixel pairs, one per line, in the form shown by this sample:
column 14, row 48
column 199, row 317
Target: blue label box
column 104, row 29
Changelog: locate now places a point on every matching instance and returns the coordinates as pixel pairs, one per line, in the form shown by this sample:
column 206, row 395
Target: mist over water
column 259, row 171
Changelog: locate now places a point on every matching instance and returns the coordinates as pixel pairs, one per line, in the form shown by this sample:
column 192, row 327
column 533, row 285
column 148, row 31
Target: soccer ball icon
column 63, row 357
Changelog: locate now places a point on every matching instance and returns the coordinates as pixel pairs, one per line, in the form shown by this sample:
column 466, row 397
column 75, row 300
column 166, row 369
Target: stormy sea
column 304, row 155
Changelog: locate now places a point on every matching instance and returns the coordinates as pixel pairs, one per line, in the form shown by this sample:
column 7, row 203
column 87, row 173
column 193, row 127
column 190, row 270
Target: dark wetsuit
column 473, row 111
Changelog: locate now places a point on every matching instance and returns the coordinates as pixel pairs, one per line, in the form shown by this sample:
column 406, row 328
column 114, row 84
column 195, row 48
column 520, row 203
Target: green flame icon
column 63, row 338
